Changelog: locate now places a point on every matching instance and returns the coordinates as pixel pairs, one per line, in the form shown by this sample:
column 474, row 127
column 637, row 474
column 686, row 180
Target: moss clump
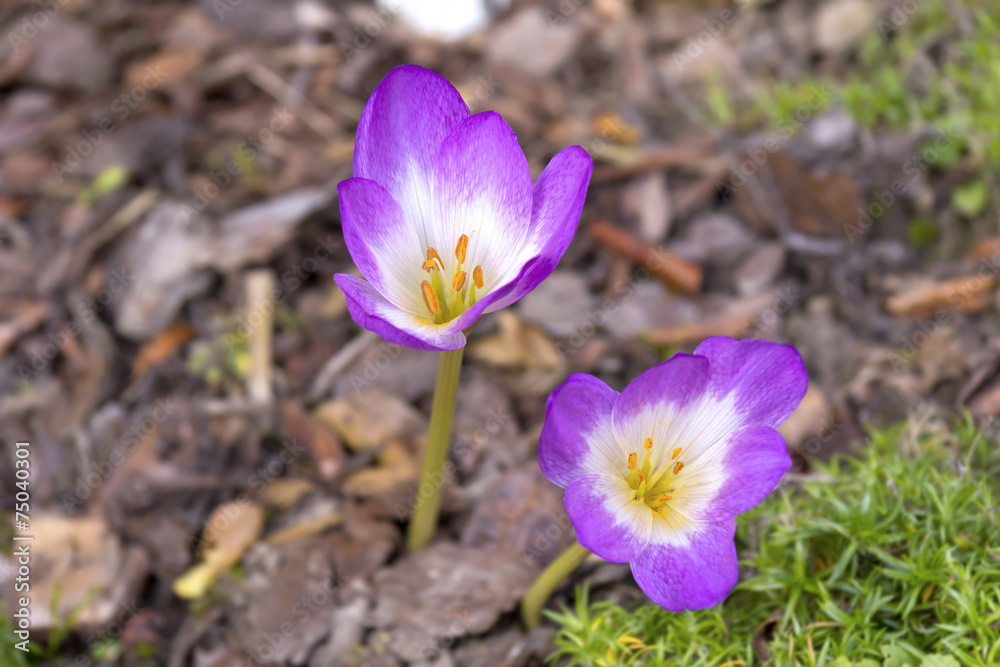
column 890, row 558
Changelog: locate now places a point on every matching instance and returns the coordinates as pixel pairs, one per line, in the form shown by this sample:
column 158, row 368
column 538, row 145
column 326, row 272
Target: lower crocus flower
column 441, row 216
column 654, row 476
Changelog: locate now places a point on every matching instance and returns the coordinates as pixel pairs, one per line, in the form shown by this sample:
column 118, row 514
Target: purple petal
column 606, row 521
column 654, row 399
column 755, row 461
column 577, row 411
column 381, row 242
column 767, row 380
column 557, row 202
column 372, row 311
column 695, row 575
column 402, row 128
column 483, row 189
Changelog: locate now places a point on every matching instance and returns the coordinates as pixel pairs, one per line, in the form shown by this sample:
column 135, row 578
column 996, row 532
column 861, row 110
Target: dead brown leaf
column 231, row 529
column 160, row 349
column 970, row 295
column 82, row 574
column 676, row 272
column 323, row 443
column 370, row 418
column 517, row 345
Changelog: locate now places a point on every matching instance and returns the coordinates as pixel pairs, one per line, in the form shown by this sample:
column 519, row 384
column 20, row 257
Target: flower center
column 654, row 490
column 447, row 299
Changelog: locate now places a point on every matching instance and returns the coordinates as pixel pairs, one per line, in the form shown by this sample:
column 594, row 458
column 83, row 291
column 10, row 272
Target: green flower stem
column 425, row 513
column 538, row 594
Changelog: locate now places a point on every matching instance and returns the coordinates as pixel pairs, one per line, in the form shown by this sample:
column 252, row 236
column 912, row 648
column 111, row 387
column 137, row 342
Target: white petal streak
column 492, row 244
column 439, row 224
column 701, row 431
column 674, row 531
column 401, row 257
column 633, row 516
column 605, row 454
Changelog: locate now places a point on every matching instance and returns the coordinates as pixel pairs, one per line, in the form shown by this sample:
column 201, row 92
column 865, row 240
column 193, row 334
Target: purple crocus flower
column 441, row 217
column 654, row 476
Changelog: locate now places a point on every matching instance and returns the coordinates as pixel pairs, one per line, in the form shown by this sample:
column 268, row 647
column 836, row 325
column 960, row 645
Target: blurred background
column 222, row 462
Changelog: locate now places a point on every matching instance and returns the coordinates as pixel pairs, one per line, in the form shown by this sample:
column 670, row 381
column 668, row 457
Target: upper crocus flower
column 654, row 476
column 441, row 217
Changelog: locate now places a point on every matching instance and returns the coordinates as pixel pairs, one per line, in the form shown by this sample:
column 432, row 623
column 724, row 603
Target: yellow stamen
column 460, row 248
column 632, row 458
column 642, row 477
column 677, row 452
column 428, row 265
column 430, row 298
column 477, row 277
column 665, row 498
column 432, row 254
column 458, row 282
column 678, row 467
column 648, row 444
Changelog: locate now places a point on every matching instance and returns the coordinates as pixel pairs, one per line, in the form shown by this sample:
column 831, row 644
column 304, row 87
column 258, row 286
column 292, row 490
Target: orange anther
column 461, row 247
column 430, row 298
